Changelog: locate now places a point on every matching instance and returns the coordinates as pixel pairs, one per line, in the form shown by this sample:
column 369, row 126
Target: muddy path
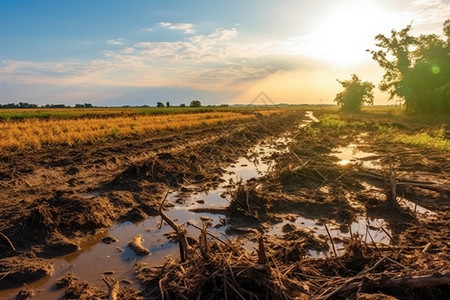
column 324, row 224
column 52, row 199
column 335, row 184
column 316, row 223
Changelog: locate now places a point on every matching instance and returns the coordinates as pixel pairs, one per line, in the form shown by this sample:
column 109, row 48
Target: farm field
column 341, row 206
column 30, row 129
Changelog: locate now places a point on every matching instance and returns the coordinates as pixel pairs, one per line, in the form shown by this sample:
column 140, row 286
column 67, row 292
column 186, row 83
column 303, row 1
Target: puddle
column 414, row 207
column 96, row 257
column 312, row 118
column 369, row 229
column 354, row 155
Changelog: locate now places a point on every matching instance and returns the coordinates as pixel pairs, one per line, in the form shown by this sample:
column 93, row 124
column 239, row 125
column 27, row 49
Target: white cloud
column 224, row 34
column 128, row 50
column 212, row 61
column 184, row 27
column 115, row 42
column 429, row 15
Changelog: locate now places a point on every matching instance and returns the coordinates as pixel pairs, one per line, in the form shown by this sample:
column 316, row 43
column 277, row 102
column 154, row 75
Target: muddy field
column 340, row 212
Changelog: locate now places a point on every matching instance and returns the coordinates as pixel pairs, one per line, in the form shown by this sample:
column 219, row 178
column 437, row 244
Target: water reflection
column 96, row 257
column 352, row 154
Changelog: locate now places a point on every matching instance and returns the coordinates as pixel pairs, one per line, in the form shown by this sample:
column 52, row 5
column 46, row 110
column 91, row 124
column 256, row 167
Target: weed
column 424, row 140
column 385, row 131
column 332, row 122
column 115, row 132
column 433, row 140
column 312, row 131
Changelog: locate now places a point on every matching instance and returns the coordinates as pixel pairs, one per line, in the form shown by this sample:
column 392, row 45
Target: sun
column 343, row 35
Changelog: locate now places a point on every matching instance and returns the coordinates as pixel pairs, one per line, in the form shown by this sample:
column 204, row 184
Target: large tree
column 355, row 94
column 195, row 103
column 417, row 68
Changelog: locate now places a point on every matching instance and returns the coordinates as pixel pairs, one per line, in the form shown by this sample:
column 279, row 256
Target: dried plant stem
column 8, row 241
column 185, row 248
column 331, row 240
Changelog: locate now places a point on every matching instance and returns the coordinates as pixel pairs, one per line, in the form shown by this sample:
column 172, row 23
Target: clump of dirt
column 166, row 168
column 18, row 270
column 52, row 222
column 75, row 288
column 294, row 246
column 58, row 244
column 65, row 281
column 249, row 202
column 135, row 214
column 25, row 293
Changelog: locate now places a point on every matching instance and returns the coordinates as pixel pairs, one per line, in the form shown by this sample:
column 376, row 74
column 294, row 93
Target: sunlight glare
column 342, row 37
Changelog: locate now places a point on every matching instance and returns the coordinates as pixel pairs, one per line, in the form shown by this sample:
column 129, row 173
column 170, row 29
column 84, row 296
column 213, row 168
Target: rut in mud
column 55, row 197
column 313, row 201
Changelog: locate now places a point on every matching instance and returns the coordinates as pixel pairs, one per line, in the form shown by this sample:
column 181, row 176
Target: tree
column 417, row 68
column 195, row 103
column 182, row 105
column 167, row 104
column 355, row 94
column 159, row 104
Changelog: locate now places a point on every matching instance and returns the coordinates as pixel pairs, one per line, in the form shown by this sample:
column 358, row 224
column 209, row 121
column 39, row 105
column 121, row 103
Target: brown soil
column 52, row 198
column 307, row 182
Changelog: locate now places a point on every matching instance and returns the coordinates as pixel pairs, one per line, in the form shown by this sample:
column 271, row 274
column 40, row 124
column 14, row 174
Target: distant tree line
column 31, row 105
column 417, row 71
column 85, row 105
column 19, row 105
column 194, row 103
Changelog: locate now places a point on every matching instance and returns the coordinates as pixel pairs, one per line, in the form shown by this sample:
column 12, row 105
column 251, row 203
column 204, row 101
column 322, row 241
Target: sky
column 139, row 52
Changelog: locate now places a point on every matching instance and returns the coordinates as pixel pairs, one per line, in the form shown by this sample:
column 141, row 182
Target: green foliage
column 159, row 104
column 195, row 103
column 431, row 140
column 417, row 68
column 385, row 131
column 312, row 131
column 85, row 105
column 19, row 105
column 115, row 132
column 355, row 94
column 330, row 122
column 424, row 140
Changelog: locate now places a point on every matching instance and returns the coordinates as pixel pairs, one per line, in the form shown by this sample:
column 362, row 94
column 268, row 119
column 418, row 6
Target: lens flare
column 435, row 69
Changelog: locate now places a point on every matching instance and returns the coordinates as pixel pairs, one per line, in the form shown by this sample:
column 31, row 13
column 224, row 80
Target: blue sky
column 139, row 52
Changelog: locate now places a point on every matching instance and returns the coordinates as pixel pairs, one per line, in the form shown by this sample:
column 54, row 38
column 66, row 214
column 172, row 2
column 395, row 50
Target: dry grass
column 36, row 133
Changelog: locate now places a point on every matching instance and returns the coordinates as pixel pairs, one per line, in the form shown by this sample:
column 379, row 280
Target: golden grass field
column 34, row 133
column 28, row 129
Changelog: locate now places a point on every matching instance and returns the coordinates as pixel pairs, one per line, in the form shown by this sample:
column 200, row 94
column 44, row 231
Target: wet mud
column 280, row 207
